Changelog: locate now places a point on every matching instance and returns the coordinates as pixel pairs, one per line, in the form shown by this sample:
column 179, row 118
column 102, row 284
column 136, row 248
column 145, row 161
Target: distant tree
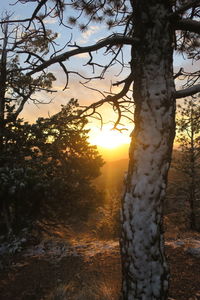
column 71, row 163
column 47, row 170
column 17, row 177
column 188, row 138
column 17, row 88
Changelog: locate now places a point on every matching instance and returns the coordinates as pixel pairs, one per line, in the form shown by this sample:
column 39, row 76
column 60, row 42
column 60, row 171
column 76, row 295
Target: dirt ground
column 88, row 264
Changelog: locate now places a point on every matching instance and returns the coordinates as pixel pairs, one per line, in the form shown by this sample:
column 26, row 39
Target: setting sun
column 108, row 138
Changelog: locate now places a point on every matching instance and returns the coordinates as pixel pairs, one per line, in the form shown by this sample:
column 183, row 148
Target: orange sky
column 114, row 154
column 115, row 144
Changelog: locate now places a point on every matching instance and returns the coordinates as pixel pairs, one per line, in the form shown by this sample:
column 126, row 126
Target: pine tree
column 47, row 170
column 188, row 138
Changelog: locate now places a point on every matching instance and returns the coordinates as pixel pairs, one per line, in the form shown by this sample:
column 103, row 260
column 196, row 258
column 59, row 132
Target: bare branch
column 188, row 25
column 15, row 21
column 66, row 73
column 113, row 100
column 111, row 41
column 185, row 7
column 180, row 72
column 31, row 54
column 39, row 6
column 188, row 92
column 14, row 115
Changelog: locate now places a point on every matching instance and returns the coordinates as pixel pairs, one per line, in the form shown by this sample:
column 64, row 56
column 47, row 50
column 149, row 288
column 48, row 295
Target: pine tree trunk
column 192, row 188
column 145, row 272
column 3, row 79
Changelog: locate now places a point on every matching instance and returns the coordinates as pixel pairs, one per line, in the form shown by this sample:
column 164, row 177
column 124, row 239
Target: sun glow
column 108, row 138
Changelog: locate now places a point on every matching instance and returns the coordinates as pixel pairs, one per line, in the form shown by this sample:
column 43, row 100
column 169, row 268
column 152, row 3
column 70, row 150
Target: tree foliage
column 47, row 169
column 188, row 138
column 17, row 88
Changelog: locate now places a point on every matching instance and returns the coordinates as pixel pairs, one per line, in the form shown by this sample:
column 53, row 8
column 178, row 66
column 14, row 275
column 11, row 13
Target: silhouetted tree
column 188, row 138
column 17, row 88
column 47, row 170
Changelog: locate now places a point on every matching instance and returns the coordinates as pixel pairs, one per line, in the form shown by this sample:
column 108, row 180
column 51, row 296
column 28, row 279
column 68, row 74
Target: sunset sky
column 105, row 138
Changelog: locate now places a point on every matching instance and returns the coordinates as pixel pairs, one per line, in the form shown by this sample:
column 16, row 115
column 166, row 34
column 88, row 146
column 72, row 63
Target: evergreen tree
column 47, row 170
column 188, row 138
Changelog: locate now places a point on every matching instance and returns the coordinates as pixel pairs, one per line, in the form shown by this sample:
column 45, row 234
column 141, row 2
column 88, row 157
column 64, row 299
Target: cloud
column 87, row 34
column 85, row 97
column 77, row 91
column 82, row 55
column 50, row 21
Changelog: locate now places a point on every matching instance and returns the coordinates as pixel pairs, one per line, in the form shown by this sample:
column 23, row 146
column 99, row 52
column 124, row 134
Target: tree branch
column 184, row 7
column 15, row 21
column 188, row 25
column 188, row 92
column 111, row 99
column 39, row 6
column 110, row 41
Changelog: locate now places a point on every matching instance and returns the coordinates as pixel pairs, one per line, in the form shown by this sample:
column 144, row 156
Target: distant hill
column 113, row 171
column 112, row 175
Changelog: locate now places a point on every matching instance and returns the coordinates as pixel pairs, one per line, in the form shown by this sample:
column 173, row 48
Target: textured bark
column 3, row 78
column 145, row 272
column 192, row 194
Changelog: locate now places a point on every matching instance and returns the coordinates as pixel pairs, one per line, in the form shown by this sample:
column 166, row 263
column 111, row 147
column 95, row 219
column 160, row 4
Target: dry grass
column 85, row 290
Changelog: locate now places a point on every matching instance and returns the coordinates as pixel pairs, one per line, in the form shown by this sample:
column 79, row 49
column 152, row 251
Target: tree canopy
column 47, row 169
column 188, row 139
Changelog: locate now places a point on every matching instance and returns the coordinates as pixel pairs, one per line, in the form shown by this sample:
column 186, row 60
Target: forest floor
column 77, row 264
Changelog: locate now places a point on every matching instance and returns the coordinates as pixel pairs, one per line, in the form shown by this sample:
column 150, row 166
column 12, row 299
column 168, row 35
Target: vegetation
column 188, row 139
column 16, row 87
column 47, row 170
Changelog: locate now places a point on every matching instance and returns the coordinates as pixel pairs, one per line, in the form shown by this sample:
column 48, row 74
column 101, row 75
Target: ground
column 81, row 266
